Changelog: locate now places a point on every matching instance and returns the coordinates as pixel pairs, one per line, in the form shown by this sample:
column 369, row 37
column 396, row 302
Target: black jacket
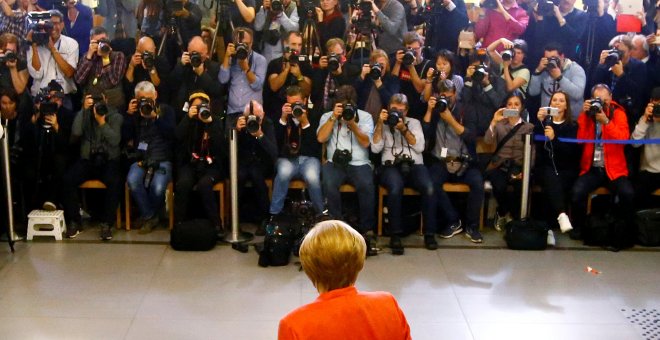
column 183, row 82
column 188, row 135
column 157, row 135
column 479, row 105
column 468, row 136
column 309, row 145
column 629, row 90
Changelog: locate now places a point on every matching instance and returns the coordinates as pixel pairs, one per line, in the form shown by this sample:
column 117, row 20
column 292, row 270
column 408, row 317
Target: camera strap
column 504, row 140
column 350, row 136
column 289, row 127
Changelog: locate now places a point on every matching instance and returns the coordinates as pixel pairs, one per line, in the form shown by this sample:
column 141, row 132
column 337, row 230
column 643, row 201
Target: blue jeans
column 362, row 177
column 149, row 200
column 472, row 177
column 419, row 179
column 309, row 168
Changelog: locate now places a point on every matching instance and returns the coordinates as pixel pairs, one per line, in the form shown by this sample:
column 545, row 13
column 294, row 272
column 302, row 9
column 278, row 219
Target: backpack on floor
column 608, row 230
column 526, row 234
column 648, row 227
column 277, row 247
column 193, row 235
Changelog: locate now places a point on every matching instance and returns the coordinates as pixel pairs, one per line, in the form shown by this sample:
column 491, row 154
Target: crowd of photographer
column 391, row 93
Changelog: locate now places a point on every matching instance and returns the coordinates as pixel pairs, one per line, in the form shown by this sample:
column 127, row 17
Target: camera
column 146, row 106
column 272, row 37
column 551, row 111
column 507, row 55
column 98, row 155
column 480, row 73
column 104, row 46
column 363, row 22
column 41, row 26
column 656, row 110
column 553, row 63
column 9, row 56
column 252, row 123
column 174, row 5
column 100, row 107
column 203, row 111
column 376, row 71
column 546, row 8
column 309, row 7
column 595, row 106
column 333, row 62
column 302, row 209
column 148, row 60
column 349, row 112
column 408, row 57
column 298, row 109
column 294, row 57
column 393, row 118
column 342, row 157
column 276, row 6
column 490, row 4
column 613, row 57
column 241, row 51
column 404, row 163
column 510, row 113
column 195, row 59
column 441, row 104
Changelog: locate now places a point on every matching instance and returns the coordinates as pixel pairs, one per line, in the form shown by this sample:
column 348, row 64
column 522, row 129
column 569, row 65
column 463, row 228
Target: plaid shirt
column 90, row 69
column 15, row 25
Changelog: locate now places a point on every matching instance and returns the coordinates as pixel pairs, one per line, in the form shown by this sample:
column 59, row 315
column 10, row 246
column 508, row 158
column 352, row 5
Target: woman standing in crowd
column 444, row 69
column 331, row 23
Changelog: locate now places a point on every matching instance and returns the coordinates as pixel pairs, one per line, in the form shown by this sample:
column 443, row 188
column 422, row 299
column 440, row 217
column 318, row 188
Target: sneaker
column 564, row 223
column 473, row 235
column 430, row 243
column 551, row 238
column 452, row 230
column 72, row 230
column 106, row 232
column 396, row 245
column 148, row 225
column 502, row 221
column 372, row 244
column 49, row 206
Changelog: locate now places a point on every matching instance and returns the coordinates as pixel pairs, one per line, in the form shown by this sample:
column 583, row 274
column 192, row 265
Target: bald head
column 146, row 44
column 198, row 45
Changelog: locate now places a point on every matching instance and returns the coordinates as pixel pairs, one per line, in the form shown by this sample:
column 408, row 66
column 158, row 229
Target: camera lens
column 376, row 71
column 252, row 124
column 104, row 47
column 146, row 106
column 333, row 62
column 195, row 59
column 613, row 57
column 507, row 55
column 298, row 109
column 408, row 58
column 148, row 60
column 392, row 118
column 203, row 111
column 100, row 108
column 595, row 106
column 241, row 51
column 348, row 113
column 441, row 104
column 276, row 6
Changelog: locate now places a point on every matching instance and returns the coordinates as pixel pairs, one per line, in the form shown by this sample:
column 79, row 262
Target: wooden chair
column 599, row 191
column 169, row 197
column 222, row 199
column 382, row 192
column 464, row 188
column 96, row 184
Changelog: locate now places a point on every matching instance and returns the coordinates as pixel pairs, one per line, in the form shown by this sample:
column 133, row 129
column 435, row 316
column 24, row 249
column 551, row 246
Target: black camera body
column 277, row 6
column 195, row 59
column 294, row 57
column 146, row 106
column 298, row 109
column 595, row 106
column 203, row 111
column 41, row 26
column 99, row 106
column 148, row 60
column 333, row 62
column 104, row 46
column 553, row 63
column 480, row 73
column 507, row 55
column 9, row 56
column 441, row 104
column 546, row 8
column 252, row 123
column 408, row 57
column 309, row 7
column 98, row 155
column 404, row 162
column 376, row 71
column 393, row 117
column 342, row 158
column 242, row 51
column 349, row 112
column 489, row 4
column 656, row 110
column 613, row 57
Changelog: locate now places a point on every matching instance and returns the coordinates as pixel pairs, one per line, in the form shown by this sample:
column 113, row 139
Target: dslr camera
column 46, row 106
column 271, row 37
column 104, row 46
column 349, row 112
column 480, row 73
column 376, row 71
column 342, row 158
column 203, row 111
column 298, row 109
column 507, row 55
column 441, row 104
column 294, row 57
column 489, row 4
column 363, row 22
column 146, row 106
column 252, row 123
column 9, row 56
column 553, row 63
column 148, row 60
column 241, row 51
column 656, row 110
column 276, row 6
column 546, row 8
column 404, row 162
column 195, row 59
column 613, row 57
column 309, row 7
column 595, row 106
column 393, row 117
column 99, row 106
column 333, row 62
column 41, row 26
column 408, row 57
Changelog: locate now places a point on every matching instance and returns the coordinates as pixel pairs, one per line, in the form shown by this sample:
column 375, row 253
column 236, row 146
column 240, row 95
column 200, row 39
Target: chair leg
column 127, row 201
column 221, row 204
column 380, row 211
column 170, row 203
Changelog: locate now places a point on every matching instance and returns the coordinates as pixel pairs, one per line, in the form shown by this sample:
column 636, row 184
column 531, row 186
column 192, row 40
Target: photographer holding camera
column 444, row 69
column 56, row 60
column 503, row 19
column 331, row 22
column 149, row 130
column 444, row 21
column 347, row 133
column 13, row 70
column 146, row 65
column 275, row 19
column 555, row 72
column 390, row 17
column 516, row 75
column 200, row 159
column 299, row 152
column 451, row 156
column 648, row 127
column 101, row 70
column 291, row 69
column 98, row 129
column 625, row 75
column 376, row 84
column 482, row 95
column 332, row 73
column 400, row 140
column 244, row 70
column 410, row 67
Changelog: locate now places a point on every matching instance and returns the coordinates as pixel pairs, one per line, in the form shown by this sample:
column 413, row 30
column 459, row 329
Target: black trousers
column 645, row 184
column 190, row 176
column 507, row 202
column 556, row 187
column 256, row 175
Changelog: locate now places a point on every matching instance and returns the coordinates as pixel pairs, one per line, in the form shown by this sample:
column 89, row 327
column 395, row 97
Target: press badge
column 598, row 155
column 443, row 153
column 143, row 146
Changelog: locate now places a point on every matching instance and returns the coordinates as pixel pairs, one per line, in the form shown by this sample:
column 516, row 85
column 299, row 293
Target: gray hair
column 645, row 44
column 56, row 13
column 400, row 98
column 145, row 86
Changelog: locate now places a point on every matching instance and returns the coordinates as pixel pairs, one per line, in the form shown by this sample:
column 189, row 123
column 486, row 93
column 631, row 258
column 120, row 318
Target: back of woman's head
column 332, row 255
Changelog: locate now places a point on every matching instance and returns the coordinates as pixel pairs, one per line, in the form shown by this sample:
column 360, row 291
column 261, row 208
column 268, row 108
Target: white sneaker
column 564, row 223
column 551, row 238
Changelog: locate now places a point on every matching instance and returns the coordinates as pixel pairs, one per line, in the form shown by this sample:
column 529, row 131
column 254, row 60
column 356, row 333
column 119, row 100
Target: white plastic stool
column 43, row 217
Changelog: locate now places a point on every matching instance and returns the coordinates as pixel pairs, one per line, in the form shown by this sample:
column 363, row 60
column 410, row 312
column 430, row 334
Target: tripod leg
column 162, row 43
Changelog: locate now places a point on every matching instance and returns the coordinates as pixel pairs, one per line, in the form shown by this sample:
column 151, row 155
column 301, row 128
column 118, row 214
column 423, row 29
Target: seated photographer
column 601, row 164
column 257, row 147
column 78, row 23
column 648, row 127
column 503, row 19
column 331, row 23
column 444, row 69
column 555, row 73
column 244, row 70
column 284, row 72
column 199, row 157
column 97, row 127
column 390, row 19
column 146, row 65
column 411, row 67
column 101, row 71
column 332, row 73
column 482, row 95
column 452, row 157
column 47, row 143
column 53, row 56
column 376, row 84
column 506, row 165
column 13, row 70
column 625, row 75
column 332, row 255
column 556, row 166
column 275, row 20
column 149, row 128
column 195, row 71
column 446, row 18
column 299, row 154
column 347, row 133
column 514, row 72
column 400, row 140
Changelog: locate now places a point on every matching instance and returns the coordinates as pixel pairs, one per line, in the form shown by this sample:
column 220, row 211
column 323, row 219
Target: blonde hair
column 378, row 53
column 332, row 255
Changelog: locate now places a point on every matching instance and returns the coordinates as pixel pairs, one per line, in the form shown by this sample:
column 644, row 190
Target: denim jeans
column 362, row 177
column 149, row 200
column 392, row 179
column 472, row 177
column 309, row 168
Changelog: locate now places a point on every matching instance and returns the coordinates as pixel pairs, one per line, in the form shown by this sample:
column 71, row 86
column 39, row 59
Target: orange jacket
column 347, row 314
column 615, row 160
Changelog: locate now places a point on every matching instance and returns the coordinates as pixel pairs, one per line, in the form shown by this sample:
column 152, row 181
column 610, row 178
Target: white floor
column 132, row 289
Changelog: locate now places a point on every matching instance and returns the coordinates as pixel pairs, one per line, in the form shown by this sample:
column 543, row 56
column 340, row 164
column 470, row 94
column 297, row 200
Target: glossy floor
column 136, row 287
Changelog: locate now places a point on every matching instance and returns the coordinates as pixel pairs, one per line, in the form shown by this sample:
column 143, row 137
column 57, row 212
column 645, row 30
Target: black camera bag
column 193, row 235
column 526, row 234
column 608, row 230
column 648, row 227
column 278, row 244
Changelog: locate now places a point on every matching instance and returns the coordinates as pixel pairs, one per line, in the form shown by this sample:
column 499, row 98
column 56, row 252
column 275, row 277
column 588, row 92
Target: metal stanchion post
column 236, row 235
column 527, row 160
column 11, row 235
